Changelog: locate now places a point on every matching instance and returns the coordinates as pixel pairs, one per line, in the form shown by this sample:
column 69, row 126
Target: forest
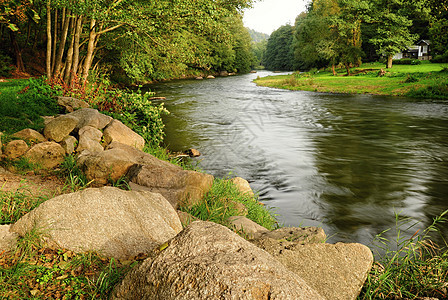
column 133, row 41
column 347, row 32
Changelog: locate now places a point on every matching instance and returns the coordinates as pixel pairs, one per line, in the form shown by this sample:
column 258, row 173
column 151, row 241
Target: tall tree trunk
column 55, row 39
column 389, row 61
column 69, row 58
column 90, row 50
column 333, row 69
column 78, row 30
column 17, row 52
column 57, row 68
column 347, row 67
column 48, row 59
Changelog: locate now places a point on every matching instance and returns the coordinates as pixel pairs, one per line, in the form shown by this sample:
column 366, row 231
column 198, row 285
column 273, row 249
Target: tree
column 392, row 27
column 279, row 52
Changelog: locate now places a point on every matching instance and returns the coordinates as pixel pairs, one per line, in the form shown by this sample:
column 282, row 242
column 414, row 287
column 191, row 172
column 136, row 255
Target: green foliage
column 220, row 203
column 438, row 90
column 136, row 110
column 5, row 65
column 73, row 175
column 417, row 268
column 407, row 61
column 23, row 102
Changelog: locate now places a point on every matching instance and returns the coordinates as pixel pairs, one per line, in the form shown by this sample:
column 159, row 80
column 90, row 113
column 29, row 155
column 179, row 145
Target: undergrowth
column 13, row 205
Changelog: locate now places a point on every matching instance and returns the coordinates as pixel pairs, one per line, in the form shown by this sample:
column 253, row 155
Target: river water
column 347, row 163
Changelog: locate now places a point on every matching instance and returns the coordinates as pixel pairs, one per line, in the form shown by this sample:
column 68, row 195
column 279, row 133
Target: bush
column 136, row 111
column 5, row 65
column 437, row 91
column 407, row 61
column 440, row 58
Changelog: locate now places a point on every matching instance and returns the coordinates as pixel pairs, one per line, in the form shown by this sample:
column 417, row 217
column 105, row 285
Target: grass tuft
column 221, row 202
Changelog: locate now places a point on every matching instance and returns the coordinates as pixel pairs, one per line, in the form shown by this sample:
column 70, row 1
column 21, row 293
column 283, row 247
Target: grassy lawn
column 401, row 80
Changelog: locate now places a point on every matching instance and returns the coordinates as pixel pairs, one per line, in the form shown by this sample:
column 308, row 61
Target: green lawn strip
column 399, row 81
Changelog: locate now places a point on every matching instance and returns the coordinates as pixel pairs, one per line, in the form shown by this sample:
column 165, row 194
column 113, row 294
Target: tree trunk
column 48, row 58
column 347, row 67
column 61, row 49
column 69, row 58
column 90, row 50
column 333, row 69
column 55, row 35
column 389, row 61
column 17, row 52
column 78, row 30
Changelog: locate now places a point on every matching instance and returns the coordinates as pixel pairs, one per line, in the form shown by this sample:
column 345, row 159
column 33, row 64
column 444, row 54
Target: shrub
column 407, row 61
column 440, row 58
column 5, row 65
column 436, row 91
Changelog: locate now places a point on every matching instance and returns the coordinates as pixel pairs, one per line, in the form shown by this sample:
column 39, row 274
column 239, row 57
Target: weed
column 418, row 268
column 75, row 178
column 13, row 205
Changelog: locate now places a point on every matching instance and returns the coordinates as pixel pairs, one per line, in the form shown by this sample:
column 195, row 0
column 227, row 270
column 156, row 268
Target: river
column 347, row 163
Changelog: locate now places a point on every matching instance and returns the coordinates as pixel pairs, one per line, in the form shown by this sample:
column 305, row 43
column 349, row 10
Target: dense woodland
column 133, row 41
column 347, row 32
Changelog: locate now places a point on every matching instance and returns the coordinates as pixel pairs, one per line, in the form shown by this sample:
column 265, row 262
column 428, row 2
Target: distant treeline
column 134, row 40
column 347, row 32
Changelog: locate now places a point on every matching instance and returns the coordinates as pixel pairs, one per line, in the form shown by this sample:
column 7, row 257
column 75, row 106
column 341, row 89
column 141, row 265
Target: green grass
column 13, row 205
column 220, row 203
column 23, row 102
column 401, row 80
column 418, row 268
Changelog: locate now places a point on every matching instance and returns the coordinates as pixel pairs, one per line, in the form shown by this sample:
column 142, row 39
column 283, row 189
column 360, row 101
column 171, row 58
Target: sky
column 268, row 15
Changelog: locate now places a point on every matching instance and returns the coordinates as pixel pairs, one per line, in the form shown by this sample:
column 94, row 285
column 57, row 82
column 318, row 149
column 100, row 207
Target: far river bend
column 343, row 162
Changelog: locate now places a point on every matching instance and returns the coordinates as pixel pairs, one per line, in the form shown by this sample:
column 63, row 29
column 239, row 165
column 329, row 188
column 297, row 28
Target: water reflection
column 346, row 163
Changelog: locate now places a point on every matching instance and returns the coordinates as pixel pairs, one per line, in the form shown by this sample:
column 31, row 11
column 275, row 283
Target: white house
column 419, row 51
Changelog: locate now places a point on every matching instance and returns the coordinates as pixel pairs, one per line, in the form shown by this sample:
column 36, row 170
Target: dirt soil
column 37, row 185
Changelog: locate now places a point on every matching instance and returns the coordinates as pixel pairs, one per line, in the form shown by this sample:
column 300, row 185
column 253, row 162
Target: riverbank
column 427, row 80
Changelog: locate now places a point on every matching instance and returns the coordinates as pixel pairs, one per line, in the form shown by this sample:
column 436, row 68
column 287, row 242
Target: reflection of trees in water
column 373, row 164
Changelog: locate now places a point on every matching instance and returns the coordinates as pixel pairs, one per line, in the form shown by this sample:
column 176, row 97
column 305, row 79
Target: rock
column 71, row 104
column 341, row 269
column 47, row 154
column 240, row 207
column 243, row 186
column 274, row 242
column 118, row 132
column 192, row 152
column 47, row 119
column 15, row 149
column 246, row 226
column 117, row 223
column 199, row 78
column 223, row 73
column 101, row 167
column 8, row 240
column 185, row 218
column 68, row 144
column 178, row 186
column 30, row 135
column 208, row 261
column 253, row 71
column 232, row 74
column 90, row 117
column 210, row 77
column 60, row 127
column 89, row 139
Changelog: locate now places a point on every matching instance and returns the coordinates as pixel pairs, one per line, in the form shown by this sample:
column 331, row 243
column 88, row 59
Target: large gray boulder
column 336, row 271
column 60, row 127
column 90, row 117
column 118, row 132
column 246, row 226
column 116, row 223
column 47, row 154
column 208, row 261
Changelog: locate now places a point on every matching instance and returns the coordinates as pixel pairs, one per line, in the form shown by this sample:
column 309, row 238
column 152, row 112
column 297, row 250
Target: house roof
column 427, row 42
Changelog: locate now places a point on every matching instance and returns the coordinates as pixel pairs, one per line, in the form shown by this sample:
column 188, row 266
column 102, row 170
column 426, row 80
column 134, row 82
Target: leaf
column 13, row 27
column 163, row 246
